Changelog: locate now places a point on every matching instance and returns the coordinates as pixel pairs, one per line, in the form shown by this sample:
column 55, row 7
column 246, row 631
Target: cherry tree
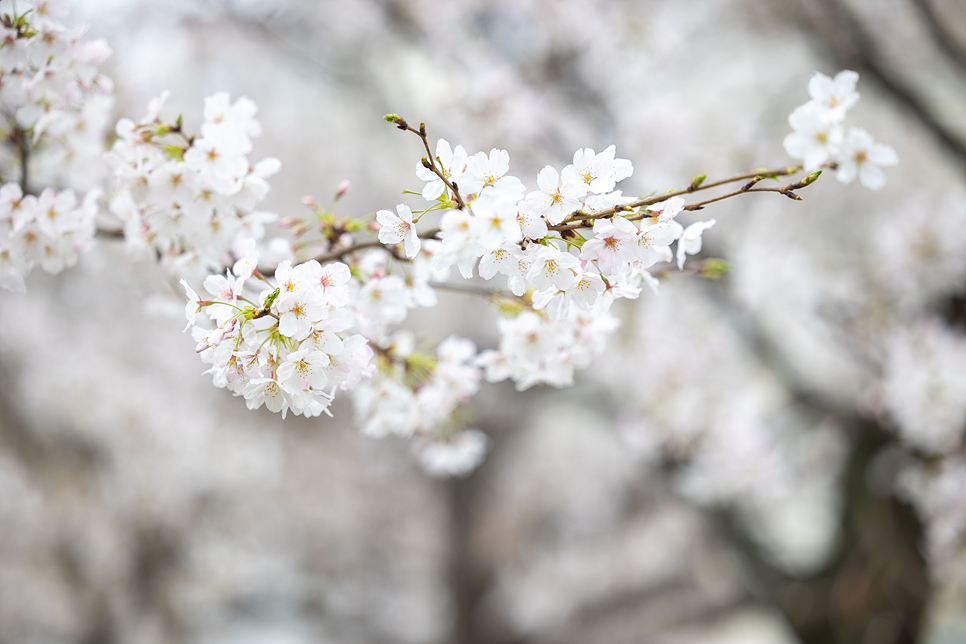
column 294, row 313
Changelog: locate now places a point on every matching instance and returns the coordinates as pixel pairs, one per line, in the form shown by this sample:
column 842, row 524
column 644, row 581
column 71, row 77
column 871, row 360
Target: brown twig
column 474, row 290
column 333, row 255
column 580, row 219
column 429, row 161
column 941, row 36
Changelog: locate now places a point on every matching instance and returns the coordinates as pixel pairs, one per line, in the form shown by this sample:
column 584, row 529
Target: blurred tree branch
column 877, row 575
column 955, row 51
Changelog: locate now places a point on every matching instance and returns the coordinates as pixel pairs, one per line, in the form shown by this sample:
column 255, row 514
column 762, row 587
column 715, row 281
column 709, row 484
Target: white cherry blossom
column 399, row 228
column 859, row 155
column 690, row 241
column 452, row 163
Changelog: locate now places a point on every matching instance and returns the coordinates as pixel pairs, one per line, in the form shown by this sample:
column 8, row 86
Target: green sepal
column 271, row 298
column 811, row 178
column 175, row 152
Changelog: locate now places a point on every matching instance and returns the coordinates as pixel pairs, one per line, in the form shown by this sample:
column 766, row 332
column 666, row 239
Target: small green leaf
column 714, row 267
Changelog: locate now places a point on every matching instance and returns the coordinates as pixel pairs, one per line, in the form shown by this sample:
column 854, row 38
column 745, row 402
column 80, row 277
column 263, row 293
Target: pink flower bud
column 342, row 189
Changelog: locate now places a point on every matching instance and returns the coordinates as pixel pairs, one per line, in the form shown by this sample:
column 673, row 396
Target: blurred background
column 773, row 457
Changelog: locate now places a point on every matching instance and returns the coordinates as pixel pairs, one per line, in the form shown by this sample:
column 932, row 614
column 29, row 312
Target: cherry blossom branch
column 474, row 290
column 696, row 185
column 369, row 243
column 580, row 219
column 428, row 161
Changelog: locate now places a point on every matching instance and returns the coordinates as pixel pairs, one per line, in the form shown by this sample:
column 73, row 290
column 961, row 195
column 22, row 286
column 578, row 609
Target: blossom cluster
column 192, row 199
column 819, row 138
column 565, row 252
column 568, row 281
column 287, row 346
column 50, row 230
column 415, row 394
column 56, row 104
column 55, row 107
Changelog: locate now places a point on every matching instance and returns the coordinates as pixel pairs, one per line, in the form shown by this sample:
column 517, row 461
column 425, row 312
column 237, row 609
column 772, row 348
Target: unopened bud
column 285, row 222
column 309, row 201
column 697, row 181
column 397, row 120
column 811, row 178
column 342, row 189
column 271, row 298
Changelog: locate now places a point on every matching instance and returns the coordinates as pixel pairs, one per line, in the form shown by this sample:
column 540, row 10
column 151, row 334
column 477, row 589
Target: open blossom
column 502, row 259
column 399, row 227
column 452, row 163
column 598, row 172
column 268, row 392
column 553, row 268
column 667, row 210
column 615, row 243
column 496, row 221
column 859, row 155
column 690, row 241
column 587, row 291
column 298, row 311
column 533, row 225
column 303, row 369
column 484, row 171
column 836, row 96
column 235, row 121
column 654, row 240
column 815, row 138
column 461, row 246
column 556, row 198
